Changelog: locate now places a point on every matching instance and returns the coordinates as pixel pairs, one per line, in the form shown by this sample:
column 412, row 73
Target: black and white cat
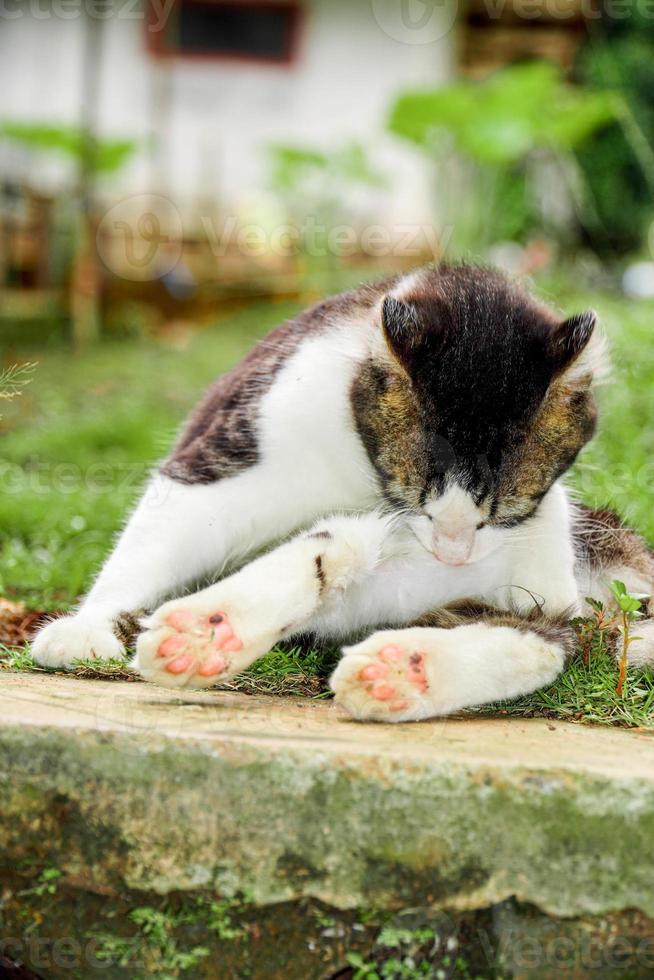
column 412, row 434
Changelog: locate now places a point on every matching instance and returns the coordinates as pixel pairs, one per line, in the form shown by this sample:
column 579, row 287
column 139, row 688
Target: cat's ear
column 571, row 338
column 401, row 328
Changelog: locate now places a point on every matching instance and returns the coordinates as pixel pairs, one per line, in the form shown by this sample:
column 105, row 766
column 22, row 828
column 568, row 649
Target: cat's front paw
column 199, row 641
column 72, row 638
column 391, row 676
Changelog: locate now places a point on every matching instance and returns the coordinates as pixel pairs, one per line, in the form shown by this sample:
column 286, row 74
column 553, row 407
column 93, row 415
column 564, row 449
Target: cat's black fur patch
column 320, row 573
column 477, row 394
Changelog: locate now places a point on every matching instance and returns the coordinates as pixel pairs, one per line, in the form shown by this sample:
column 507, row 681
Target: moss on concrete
column 122, row 810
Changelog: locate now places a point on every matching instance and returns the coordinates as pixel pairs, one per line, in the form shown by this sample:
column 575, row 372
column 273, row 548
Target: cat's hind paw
column 388, row 677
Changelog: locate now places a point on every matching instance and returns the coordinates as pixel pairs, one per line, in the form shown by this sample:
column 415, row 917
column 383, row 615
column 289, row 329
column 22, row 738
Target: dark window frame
column 163, row 43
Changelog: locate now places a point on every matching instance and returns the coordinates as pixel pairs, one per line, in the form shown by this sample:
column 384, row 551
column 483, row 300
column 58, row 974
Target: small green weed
column 153, row 949
column 629, row 605
column 589, row 689
column 411, row 954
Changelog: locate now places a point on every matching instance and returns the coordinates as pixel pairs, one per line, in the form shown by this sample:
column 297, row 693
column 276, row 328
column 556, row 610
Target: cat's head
column 481, row 399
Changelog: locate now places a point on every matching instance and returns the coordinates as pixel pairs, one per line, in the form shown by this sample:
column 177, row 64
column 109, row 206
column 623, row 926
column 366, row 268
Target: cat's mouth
column 451, row 562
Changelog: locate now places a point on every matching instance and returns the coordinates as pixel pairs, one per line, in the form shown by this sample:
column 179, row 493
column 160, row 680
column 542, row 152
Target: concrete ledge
column 126, row 786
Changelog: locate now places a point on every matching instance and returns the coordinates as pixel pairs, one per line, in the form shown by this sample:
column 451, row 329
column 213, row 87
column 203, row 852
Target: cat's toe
column 383, row 679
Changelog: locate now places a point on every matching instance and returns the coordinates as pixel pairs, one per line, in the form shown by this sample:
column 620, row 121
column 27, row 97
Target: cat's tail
column 607, row 550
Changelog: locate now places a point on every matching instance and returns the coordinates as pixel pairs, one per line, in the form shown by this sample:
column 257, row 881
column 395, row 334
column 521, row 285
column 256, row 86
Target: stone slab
column 125, row 785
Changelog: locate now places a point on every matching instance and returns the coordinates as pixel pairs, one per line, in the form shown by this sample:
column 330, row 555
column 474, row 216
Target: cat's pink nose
column 454, row 549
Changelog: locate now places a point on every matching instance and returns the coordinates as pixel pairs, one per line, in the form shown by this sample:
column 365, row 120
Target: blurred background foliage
column 105, row 156
column 496, row 136
column 618, row 161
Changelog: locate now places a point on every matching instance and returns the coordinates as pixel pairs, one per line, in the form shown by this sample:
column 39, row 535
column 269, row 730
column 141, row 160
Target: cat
column 406, row 443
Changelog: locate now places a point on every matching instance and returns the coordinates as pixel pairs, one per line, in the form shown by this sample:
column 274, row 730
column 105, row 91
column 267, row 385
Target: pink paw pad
column 416, row 671
column 373, row 672
column 171, row 646
column 180, row 620
column 214, row 664
column 391, row 654
column 180, row 664
column 383, row 692
column 222, row 634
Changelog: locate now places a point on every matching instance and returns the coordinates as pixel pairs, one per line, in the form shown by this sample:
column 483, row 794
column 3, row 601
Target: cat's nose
column 454, row 548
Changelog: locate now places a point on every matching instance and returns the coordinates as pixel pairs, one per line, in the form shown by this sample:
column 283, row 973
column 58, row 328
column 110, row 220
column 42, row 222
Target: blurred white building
column 206, row 85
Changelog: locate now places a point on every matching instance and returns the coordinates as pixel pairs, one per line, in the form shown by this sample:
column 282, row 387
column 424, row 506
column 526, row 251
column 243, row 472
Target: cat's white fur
column 382, row 569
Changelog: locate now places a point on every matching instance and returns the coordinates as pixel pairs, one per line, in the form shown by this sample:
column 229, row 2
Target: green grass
column 78, row 444
column 286, row 670
column 588, row 693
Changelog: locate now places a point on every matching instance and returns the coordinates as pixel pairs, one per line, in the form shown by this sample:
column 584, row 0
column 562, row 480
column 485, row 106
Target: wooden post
column 85, row 279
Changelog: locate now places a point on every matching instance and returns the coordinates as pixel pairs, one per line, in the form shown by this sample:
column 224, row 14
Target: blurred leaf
column 107, row 156
column 498, row 121
column 291, row 165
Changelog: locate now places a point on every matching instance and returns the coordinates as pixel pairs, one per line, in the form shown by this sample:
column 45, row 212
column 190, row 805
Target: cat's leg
column 429, row 671
column 280, row 425
column 208, row 637
column 177, row 534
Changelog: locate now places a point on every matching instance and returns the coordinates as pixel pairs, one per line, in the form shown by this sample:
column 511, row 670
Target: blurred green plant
column 107, row 156
column 495, row 132
column 618, row 161
column 298, row 169
column 325, row 195
column 322, row 190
